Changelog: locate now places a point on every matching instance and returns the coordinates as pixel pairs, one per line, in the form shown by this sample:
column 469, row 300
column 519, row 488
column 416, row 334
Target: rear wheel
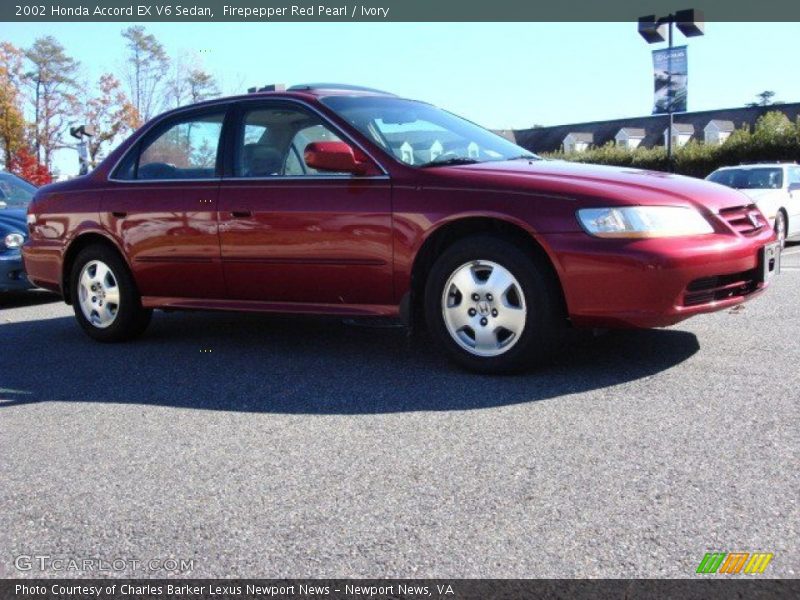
column 780, row 227
column 104, row 296
column 491, row 306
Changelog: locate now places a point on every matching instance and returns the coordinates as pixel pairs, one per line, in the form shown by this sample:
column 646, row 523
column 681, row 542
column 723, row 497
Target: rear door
column 291, row 234
column 162, row 207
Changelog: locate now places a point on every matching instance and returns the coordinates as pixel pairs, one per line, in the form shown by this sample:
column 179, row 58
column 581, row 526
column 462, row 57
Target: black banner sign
column 386, row 589
column 386, row 10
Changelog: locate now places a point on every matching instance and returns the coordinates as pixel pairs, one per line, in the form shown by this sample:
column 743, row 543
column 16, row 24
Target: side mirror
column 794, row 187
column 339, row 157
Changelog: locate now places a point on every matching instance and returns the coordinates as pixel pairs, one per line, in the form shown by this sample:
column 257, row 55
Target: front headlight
column 14, row 240
column 643, row 221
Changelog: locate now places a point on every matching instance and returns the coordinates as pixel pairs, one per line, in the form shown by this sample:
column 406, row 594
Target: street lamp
column 691, row 24
column 80, row 133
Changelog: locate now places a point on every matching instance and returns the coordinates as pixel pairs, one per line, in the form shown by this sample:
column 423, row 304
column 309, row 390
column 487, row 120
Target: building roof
column 681, row 127
column 632, row 131
column 550, row 139
column 721, row 125
column 506, row 133
column 581, row 136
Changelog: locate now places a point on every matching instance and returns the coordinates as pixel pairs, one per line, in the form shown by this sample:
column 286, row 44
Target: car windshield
column 15, row 192
column 749, row 179
column 422, row 135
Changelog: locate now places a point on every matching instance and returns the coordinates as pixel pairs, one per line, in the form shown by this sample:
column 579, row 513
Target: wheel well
column 81, row 242
column 448, row 234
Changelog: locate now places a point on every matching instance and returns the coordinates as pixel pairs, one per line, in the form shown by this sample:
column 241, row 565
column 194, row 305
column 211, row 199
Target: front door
column 162, row 208
column 291, row 234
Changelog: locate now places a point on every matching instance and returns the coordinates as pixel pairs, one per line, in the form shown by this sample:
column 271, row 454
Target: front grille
column 720, row 287
column 746, row 220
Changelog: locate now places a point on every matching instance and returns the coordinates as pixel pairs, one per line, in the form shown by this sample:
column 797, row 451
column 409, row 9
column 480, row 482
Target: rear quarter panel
column 62, row 215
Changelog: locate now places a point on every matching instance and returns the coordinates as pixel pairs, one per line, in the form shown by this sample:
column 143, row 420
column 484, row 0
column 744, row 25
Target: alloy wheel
column 98, row 293
column 484, row 309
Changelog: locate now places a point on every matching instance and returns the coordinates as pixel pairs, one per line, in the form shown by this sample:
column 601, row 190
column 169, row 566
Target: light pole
column 691, row 24
column 80, row 133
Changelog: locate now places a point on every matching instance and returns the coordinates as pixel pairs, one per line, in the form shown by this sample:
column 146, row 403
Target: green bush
column 775, row 138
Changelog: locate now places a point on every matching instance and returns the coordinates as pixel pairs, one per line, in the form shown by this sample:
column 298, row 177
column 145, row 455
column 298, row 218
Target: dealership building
column 709, row 126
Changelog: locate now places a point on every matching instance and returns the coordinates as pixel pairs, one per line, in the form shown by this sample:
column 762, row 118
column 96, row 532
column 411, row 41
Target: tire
column 111, row 311
column 524, row 322
column 780, row 228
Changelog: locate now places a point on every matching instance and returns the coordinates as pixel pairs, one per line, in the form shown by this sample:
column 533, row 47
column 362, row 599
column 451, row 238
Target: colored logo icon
column 731, row 563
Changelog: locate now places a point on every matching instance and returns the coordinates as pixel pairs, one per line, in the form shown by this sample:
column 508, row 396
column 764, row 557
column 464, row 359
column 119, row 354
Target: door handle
column 241, row 213
column 119, row 214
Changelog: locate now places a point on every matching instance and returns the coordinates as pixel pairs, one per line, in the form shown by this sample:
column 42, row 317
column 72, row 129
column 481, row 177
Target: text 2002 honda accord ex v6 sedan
column 348, row 201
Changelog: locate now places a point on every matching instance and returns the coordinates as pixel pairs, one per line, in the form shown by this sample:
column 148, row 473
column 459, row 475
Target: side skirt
column 373, row 310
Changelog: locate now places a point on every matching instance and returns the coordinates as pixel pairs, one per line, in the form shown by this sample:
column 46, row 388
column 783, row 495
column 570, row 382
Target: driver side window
column 272, row 142
column 296, row 165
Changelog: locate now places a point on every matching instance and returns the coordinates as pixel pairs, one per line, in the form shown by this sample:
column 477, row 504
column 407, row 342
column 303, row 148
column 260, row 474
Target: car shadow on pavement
column 27, row 298
column 292, row 365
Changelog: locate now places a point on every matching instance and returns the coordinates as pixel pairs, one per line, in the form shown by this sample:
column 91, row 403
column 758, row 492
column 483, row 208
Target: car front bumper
column 656, row 282
column 12, row 273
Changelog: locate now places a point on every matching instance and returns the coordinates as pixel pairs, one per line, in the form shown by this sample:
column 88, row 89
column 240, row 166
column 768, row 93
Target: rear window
column 186, row 148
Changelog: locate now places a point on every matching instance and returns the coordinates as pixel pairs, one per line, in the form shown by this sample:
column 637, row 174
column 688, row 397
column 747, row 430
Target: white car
column 775, row 189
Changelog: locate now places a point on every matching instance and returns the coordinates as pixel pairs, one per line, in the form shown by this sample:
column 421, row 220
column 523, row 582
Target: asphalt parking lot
column 274, row 447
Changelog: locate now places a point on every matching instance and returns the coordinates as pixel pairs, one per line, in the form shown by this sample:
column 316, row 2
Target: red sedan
column 341, row 200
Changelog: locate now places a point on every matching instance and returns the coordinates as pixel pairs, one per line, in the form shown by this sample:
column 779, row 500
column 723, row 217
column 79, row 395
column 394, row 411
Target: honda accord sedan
column 341, row 200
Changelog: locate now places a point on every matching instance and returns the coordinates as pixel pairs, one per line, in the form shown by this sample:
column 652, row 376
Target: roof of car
column 10, row 175
column 758, row 165
column 327, row 88
column 301, row 91
column 317, row 90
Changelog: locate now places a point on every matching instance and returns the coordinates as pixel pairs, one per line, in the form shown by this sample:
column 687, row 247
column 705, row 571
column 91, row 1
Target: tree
column 189, row 82
column 774, row 124
column 765, row 98
column 177, row 86
column 148, row 65
column 51, row 77
column 109, row 114
column 24, row 164
column 202, row 85
column 12, row 122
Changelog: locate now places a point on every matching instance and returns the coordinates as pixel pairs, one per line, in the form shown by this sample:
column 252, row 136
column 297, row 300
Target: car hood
column 13, row 220
column 611, row 185
column 760, row 193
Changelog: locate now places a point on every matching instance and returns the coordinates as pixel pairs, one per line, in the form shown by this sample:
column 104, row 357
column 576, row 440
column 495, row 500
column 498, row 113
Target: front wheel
column 491, row 306
column 104, row 297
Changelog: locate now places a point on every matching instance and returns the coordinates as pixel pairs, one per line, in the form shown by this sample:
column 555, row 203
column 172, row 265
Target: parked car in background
column 775, row 188
column 15, row 195
column 346, row 201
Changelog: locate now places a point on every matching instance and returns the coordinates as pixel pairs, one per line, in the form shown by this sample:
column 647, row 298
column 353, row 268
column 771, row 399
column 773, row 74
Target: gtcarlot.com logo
column 731, row 563
column 45, row 562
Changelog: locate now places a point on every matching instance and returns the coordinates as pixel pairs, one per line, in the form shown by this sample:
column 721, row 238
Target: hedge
column 774, row 139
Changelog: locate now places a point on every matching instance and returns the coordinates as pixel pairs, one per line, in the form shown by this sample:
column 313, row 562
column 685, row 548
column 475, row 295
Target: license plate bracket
column 769, row 261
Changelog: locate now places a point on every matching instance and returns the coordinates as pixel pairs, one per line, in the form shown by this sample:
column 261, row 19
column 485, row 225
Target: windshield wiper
column 456, row 160
column 525, row 157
